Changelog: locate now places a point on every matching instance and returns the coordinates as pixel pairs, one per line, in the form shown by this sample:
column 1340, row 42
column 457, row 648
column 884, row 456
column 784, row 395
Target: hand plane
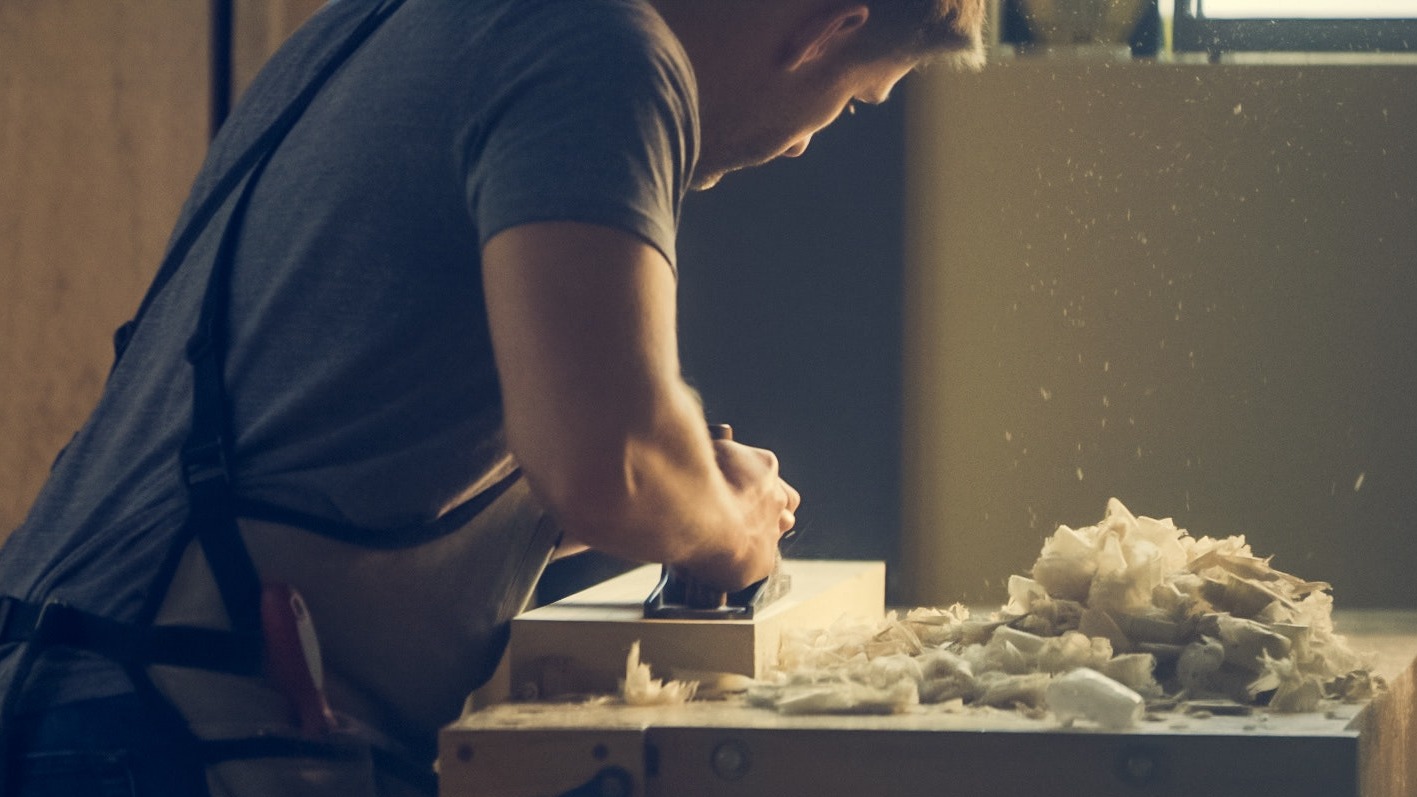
column 677, row 597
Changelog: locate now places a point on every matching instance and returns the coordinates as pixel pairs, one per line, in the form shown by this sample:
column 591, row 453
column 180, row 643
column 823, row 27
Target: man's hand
column 600, row 419
column 753, row 473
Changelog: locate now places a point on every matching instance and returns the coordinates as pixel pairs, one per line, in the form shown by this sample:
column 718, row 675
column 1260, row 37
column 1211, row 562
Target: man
column 415, row 340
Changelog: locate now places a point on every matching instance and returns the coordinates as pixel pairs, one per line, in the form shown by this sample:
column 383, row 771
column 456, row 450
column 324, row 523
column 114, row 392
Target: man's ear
column 823, row 33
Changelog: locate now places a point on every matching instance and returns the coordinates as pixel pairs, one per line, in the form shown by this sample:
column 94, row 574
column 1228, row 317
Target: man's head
column 773, row 73
column 932, row 30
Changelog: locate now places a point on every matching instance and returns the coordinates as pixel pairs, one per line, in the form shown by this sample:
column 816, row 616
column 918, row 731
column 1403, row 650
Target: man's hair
column 948, row 30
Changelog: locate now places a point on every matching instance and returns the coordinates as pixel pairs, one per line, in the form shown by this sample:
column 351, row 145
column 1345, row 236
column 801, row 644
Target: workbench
column 601, row 747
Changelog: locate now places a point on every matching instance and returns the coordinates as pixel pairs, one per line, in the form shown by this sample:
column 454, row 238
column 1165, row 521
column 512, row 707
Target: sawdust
column 641, row 688
column 1156, row 617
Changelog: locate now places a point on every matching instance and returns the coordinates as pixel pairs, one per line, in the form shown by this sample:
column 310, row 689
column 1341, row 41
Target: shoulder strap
column 261, row 147
column 206, row 454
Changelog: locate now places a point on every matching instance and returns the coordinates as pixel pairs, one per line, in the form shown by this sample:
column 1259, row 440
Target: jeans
column 108, row 747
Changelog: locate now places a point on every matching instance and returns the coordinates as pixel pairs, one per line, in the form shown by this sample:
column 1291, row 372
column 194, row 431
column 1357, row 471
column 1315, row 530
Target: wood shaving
column 641, row 688
column 1147, row 609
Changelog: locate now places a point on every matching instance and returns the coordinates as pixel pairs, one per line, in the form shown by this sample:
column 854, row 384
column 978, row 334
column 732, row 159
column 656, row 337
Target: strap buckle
column 204, row 463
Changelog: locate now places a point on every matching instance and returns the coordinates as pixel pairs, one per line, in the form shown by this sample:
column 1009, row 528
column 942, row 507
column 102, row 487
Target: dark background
column 790, row 327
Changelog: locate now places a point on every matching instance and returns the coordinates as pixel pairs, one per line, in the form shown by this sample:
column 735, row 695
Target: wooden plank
column 541, row 763
column 579, row 644
column 1388, row 741
column 702, row 762
column 103, row 123
column 722, row 748
column 1240, row 399
column 609, row 714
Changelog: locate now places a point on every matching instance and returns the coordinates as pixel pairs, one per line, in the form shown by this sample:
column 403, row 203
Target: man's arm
column 599, row 417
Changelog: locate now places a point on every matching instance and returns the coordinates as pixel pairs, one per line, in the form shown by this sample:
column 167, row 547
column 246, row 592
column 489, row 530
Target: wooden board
column 1388, row 740
column 723, row 748
column 579, row 644
column 103, row 123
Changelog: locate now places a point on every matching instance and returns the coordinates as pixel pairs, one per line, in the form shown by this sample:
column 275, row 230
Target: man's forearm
column 608, row 433
column 649, row 493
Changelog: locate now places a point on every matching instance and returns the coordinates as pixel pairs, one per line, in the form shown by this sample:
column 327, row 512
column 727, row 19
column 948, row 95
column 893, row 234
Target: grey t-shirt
column 362, row 385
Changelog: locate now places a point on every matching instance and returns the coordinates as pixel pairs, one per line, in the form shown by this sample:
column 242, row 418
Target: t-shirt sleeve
column 594, row 122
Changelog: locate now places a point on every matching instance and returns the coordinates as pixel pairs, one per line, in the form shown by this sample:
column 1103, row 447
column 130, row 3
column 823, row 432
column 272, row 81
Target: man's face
column 779, row 120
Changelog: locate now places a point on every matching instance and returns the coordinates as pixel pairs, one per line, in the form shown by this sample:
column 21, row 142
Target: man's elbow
column 594, row 504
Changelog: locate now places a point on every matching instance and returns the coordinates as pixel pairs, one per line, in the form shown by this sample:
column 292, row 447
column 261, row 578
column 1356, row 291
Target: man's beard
column 707, row 176
column 764, row 143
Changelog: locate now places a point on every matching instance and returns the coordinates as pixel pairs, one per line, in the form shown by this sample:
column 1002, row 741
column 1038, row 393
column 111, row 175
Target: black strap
column 205, row 462
column 387, row 539
column 206, row 454
column 55, row 624
column 263, row 145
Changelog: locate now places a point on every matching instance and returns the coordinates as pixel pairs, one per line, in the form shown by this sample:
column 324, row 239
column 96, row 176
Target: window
column 1217, row 26
column 1309, row 9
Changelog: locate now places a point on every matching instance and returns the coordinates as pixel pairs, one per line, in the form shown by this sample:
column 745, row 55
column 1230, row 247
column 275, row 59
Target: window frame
column 1192, row 31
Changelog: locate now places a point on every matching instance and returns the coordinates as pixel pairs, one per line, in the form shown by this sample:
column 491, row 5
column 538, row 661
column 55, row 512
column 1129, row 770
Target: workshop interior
column 1155, row 256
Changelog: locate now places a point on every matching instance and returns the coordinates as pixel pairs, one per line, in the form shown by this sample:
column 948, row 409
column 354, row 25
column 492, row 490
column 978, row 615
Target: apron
column 225, row 646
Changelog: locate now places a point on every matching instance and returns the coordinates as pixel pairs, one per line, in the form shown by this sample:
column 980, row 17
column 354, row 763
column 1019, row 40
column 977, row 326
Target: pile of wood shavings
column 640, row 688
column 1167, row 619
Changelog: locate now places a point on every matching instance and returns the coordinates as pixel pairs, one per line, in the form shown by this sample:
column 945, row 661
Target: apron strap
column 206, row 454
column 206, row 473
column 58, row 624
column 263, row 145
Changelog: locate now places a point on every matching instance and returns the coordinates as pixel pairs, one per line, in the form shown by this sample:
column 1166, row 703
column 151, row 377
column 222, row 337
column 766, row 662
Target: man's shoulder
column 600, row 16
column 616, row 32
column 600, row 47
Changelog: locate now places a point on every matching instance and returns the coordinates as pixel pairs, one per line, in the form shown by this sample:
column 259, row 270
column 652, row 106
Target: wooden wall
column 258, row 28
column 103, row 123
column 1187, row 286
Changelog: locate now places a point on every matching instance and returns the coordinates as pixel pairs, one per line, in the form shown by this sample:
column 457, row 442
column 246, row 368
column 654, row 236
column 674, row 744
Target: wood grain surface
column 103, row 123
column 727, row 748
column 579, row 644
